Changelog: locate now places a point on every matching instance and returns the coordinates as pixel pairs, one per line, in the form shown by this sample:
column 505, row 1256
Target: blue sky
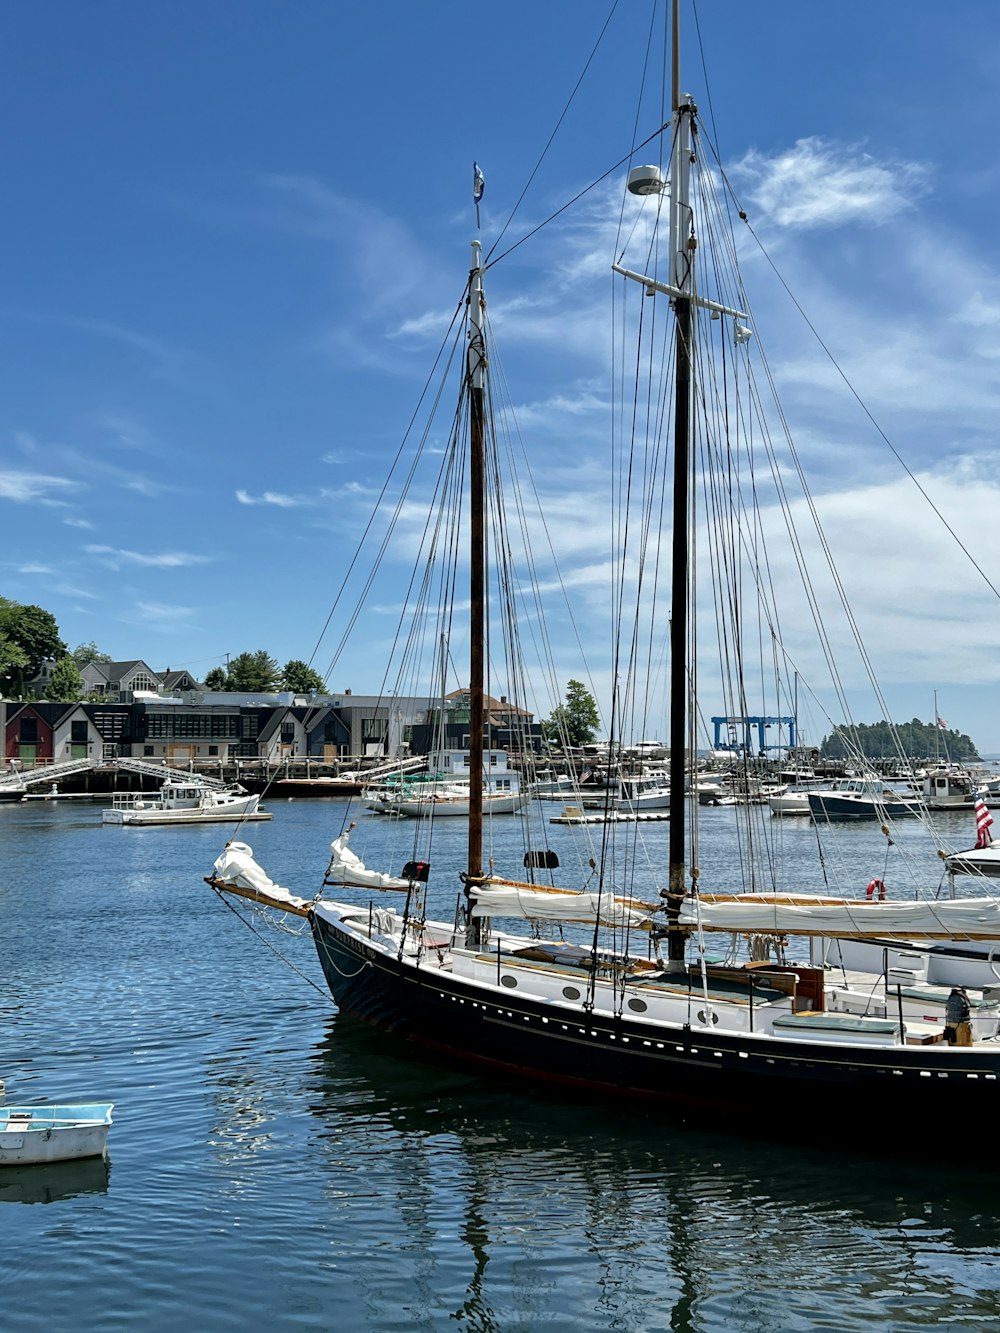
column 233, row 233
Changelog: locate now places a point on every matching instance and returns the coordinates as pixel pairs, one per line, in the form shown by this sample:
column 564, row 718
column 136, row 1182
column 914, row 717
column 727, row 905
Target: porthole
column 571, row 993
column 704, row 1017
column 509, row 982
column 638, row 1006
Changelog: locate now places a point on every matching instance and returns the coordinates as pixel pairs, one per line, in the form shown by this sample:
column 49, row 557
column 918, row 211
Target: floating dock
column 574, row 815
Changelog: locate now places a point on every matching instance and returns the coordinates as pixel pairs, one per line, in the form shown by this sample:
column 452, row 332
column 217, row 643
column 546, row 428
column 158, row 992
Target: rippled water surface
column 274, row 1165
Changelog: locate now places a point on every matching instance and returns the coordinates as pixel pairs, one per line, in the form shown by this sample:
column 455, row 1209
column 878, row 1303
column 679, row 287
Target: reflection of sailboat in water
column 613, row 985
column 501, row 1195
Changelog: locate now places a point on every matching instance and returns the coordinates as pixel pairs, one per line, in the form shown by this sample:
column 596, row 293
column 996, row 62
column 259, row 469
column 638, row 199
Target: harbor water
column 273, row 1164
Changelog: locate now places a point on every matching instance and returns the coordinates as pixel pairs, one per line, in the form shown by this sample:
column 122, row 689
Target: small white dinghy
column 37, row 1134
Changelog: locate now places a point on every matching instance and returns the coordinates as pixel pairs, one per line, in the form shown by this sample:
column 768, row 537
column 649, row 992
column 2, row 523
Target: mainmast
column 682, row 251
column 477, row 580
column 681, row 290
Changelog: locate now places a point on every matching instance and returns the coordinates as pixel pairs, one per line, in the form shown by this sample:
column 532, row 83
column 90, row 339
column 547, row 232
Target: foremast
column 476, row 368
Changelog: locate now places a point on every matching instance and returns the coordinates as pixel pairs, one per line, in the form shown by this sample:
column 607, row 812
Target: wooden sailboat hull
column 680, row 1064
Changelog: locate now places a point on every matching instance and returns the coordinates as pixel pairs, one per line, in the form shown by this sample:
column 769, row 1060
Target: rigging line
column 575, row 199
column 393, row 520
column 277, row 952
column 642, row 85
column 551, row 139
column 861, row 403
column 525, row 470
column 399, row 451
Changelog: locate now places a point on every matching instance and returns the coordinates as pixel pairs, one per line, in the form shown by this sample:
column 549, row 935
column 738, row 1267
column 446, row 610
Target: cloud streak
column 115, row 558
column 34, row 487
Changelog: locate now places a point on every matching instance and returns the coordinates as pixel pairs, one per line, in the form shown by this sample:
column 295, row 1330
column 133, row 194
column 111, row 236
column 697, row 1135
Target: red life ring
column 876, row 889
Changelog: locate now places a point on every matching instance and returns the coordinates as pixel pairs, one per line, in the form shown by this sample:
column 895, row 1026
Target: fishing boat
column 35, row 1135
column 861, row 798
column 642, row 971
column 187, row 800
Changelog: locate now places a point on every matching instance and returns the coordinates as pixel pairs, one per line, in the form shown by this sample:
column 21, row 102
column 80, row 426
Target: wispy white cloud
column 70, row 590
column 817, row 183
column 35, row 569
column 164, row 359
column 34, row 487
column 159, row 611
column 114, row 558
column 273, row 498
column 78, row 523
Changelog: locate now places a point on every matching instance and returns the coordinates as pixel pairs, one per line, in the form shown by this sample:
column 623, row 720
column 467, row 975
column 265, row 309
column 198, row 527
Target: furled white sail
column 969, row 918
column 542, row 904
column 237, row 867
column 346, row 867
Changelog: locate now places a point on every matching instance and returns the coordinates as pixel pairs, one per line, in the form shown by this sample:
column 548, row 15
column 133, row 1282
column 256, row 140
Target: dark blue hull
column 830, row 806
column 687, row 1066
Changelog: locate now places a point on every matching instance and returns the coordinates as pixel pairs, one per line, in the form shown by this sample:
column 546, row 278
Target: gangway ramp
column 49, row 773
column 165, row 774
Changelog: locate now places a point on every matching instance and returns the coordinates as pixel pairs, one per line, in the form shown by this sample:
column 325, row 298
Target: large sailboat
column 632, row 975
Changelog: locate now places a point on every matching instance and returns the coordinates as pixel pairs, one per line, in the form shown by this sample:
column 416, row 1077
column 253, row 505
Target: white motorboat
column 185, row 801
column 862, row 798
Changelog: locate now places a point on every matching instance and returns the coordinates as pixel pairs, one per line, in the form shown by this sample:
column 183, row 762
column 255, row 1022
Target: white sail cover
column 348, row 868
column 972, row 918
column 562, row 906
column 237, row 867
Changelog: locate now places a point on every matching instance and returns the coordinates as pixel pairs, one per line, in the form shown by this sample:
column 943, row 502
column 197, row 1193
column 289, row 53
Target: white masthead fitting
column 646, row 180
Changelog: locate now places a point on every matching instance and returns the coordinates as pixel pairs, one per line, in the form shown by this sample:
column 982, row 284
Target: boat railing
column 134, row 800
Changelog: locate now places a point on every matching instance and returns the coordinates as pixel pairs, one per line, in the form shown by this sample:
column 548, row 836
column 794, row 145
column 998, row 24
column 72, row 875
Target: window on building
column 78, row 733
column 28, row 734
column 142, row 681
column 147, row 750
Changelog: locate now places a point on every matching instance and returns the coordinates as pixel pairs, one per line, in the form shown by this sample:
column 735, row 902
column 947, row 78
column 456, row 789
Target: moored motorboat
column 185, row 801
column 862, row 798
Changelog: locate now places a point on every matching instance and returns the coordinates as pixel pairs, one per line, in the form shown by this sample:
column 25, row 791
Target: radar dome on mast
column 646, row 180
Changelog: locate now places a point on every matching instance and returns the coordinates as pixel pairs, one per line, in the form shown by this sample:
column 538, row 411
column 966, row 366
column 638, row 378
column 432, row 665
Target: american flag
column 983, row 822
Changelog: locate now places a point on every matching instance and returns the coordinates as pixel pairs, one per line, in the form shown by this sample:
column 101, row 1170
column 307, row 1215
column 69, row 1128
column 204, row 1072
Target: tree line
column 885, row 740
column 29, row 637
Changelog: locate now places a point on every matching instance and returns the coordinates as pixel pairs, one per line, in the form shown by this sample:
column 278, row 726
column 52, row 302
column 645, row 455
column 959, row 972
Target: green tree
column 85, row 653
column 65, row 683
column 253, row 672
column 36, row 633
column 216, row 679
column 300, row 677
column 576, row 721
column 13, row 660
